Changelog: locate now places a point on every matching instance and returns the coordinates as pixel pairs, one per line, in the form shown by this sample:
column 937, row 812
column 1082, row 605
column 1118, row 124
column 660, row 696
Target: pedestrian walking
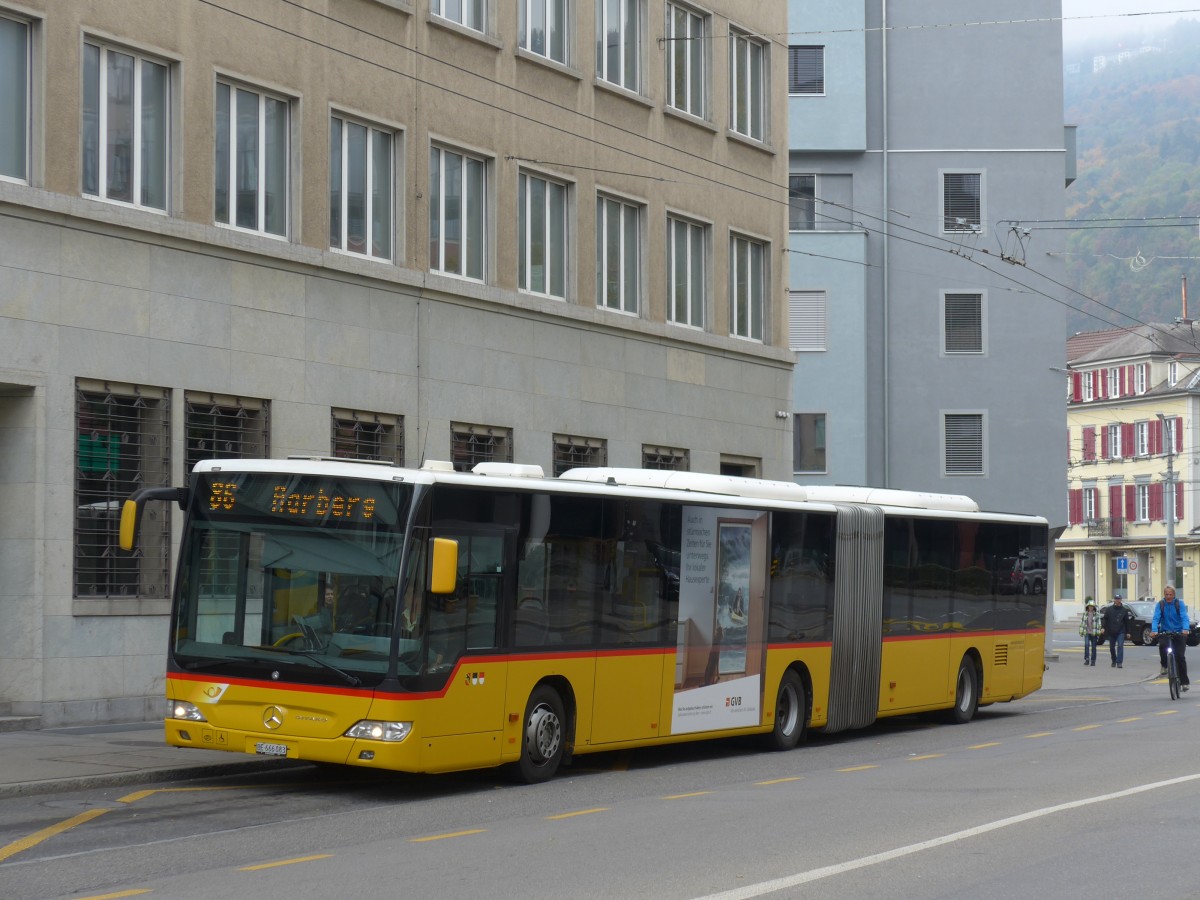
column 1090, row 628
column 1116, row 619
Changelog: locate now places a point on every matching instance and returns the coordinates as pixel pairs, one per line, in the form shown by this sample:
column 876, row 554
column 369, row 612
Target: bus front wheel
column 966, row 693
column 791, row 713
column 543, row 736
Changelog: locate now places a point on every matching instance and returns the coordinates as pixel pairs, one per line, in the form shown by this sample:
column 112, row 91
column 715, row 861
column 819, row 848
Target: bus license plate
column 264, row 749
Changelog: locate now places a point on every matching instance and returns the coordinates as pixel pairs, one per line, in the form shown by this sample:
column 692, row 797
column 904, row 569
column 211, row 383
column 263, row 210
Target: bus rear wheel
column 791, row 713
column 543, row 737
column 966, row 693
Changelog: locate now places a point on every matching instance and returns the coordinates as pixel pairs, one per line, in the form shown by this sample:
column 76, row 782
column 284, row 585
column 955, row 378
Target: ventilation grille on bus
column 1001, row 655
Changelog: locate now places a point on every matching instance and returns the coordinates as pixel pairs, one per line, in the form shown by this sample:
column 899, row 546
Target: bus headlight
column 181, row 709
column 374, row 730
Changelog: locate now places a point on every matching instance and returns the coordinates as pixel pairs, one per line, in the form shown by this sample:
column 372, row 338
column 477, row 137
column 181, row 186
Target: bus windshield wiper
column 309, row 654
column 207, row 664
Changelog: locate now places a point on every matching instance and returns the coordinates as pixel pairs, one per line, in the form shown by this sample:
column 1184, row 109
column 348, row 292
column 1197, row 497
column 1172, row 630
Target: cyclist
column 1171, row 623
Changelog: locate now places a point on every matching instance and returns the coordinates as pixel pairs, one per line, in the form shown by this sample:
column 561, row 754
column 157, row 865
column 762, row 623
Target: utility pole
column 1169, row 489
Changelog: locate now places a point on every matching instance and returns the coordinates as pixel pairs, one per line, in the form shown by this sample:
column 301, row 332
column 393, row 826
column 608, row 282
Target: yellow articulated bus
column 431, row 620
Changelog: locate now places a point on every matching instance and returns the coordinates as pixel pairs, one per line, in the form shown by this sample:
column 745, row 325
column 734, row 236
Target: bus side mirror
column 443, row 567
column 131, row 511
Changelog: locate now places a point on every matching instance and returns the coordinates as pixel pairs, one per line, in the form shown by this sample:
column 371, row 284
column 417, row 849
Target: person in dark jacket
column 1117, row 617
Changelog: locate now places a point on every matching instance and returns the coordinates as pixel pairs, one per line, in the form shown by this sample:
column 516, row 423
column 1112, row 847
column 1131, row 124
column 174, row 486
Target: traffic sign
column 1123, row 564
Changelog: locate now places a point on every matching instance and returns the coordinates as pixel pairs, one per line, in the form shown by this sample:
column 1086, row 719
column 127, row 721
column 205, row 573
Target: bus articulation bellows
column 427, row 620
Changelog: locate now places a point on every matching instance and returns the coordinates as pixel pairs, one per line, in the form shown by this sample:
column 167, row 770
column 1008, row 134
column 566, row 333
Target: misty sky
column 1096, row 18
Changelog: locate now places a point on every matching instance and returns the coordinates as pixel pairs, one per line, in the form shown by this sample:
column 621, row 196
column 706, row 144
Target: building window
column 962, row 323
column 1168, row 426
column 360, row 188
column 473, row 444
column 123, row 442
column 1139, row 378
column 619, row 27
column 687, row 55
column 806, row 70
column 747, row 86
column 618, row 254
column 1090, row 504
column 802, row 202
column 251, row 182
column 1114, row 441
column 221, row 427
column 126, row 127
column 1114, row 382
column 1088, row 392
column 1142, row 436
column 808, row 443
column 806, row 321
column 543, row 237
column 457, row 214
column 747, row 288
column 962, row 201
column 545, row 29
column 686, row 268
column 669, row 458
column 572, row 452
column 367, row 435
column 963, row 443
column 1142, row 494
column 1172, row 373
column 14, row 98
column 468, row 13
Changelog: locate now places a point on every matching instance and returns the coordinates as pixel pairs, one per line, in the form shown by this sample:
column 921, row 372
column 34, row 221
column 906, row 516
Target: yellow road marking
column 686, row 796
column 984, row 746
column 1130, row 719
column 1039, row 734
column 779, row 780
column 926, row 756
column 38, row 836
column 118, row 894
column 582, row 812
column 142, row 795
column 442, row 837
column 284, row 862
column 1087, row 727
column 858, row 768
column 1166, row 712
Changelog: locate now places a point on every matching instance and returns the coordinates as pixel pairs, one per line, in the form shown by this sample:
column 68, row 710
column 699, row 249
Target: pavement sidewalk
column 99, row 756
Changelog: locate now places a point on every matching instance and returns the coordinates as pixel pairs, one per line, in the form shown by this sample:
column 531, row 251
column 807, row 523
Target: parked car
column 1029, row 572
column 1143, row 617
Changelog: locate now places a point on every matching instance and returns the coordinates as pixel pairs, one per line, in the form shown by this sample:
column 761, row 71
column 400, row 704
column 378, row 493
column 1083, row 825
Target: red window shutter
column 1156, row 502
column 1074, row 506
column 1115, row 503
column 1127, row 448
column 1089, row 443
column 1156, row 431
column 1101, row 384
column 1130, row 503
column 1076, row 387
column 1127, row 387
column 1104, row 449
column 1179, row 434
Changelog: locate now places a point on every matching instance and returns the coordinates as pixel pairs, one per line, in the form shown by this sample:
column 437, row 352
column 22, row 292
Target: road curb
column 143, row 776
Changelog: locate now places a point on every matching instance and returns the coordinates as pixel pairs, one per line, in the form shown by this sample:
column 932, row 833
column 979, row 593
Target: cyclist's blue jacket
column 1170, row 616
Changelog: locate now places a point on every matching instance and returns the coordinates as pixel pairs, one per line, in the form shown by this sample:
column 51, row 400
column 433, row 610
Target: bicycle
column 1172, row 666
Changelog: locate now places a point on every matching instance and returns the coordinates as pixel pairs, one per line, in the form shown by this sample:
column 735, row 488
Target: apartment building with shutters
column 392, row 230
column 1133, row 397
column 924, row 315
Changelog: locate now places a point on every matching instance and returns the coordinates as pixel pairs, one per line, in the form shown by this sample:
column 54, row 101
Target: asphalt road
column 1063, row 794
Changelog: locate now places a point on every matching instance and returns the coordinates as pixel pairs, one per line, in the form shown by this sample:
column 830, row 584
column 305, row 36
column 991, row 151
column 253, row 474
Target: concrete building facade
column 928, row 158
column 392, row 229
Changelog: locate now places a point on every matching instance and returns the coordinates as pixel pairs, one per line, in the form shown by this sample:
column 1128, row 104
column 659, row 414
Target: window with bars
column 806, row 321
column 963, row 442
column 962, row 323
column 473, row 444
column 671, row 458
column 808, row 443
column 571, row 452
column 962, row 201
column 122, row 444
column 367, row 435
column 221, row 427
column 806, row 70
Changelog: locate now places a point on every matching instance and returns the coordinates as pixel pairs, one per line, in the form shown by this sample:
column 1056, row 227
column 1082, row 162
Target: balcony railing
column 1113, row 526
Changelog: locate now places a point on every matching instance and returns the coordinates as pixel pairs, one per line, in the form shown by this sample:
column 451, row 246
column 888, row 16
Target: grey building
column 925, row 152
column 387, row 229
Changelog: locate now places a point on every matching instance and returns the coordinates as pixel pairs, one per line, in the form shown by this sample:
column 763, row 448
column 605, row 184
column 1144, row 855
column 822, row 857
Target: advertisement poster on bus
column 720, row 653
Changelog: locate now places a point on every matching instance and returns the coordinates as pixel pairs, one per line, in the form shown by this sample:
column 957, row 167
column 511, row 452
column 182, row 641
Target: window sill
column 680, row 115
column 552, row 64
column 620, row 91
column 119, row 606
column 455, row 28
column 748, row 141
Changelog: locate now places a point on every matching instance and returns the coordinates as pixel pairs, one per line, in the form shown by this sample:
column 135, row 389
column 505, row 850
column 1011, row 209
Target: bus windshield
column 292, row 573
